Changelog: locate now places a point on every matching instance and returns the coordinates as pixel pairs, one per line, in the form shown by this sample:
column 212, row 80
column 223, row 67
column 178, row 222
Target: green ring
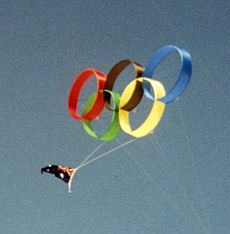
column 114, row 126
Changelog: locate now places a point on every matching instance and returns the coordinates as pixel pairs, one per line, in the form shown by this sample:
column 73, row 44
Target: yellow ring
column 155, row 114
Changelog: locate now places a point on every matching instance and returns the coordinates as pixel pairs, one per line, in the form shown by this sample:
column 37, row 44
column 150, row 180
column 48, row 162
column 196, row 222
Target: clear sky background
column 173, row 181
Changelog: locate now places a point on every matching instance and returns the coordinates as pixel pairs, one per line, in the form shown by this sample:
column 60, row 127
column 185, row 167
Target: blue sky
column 173, row 181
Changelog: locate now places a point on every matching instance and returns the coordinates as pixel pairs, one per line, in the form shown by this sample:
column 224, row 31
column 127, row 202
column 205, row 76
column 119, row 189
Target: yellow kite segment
column 155, row 114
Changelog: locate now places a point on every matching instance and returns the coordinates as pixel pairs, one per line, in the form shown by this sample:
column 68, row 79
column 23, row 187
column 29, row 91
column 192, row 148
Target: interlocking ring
column 183, row 78
column 155, row 114
column 76, row 89
column 114, row 127
column 112, row 76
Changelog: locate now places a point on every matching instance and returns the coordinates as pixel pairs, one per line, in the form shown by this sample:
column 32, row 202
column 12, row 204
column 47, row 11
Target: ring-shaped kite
column 76, row 89
column 183, row 78
column 112, row 76
column 114, row 127
column 121, row 106
column 131, row 95
column 155, row 114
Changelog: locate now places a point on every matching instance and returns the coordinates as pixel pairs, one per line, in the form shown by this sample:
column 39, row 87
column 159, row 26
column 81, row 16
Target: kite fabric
column 62, row 173
column 142, row 84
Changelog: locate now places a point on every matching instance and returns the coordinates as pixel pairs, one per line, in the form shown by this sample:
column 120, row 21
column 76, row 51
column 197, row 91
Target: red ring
column 75, row 91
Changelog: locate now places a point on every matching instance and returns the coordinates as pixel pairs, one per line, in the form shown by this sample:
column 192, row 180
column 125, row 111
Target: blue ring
column 183, row 78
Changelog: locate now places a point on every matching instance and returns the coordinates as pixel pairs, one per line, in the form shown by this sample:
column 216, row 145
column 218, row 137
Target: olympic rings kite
column 131, row 96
